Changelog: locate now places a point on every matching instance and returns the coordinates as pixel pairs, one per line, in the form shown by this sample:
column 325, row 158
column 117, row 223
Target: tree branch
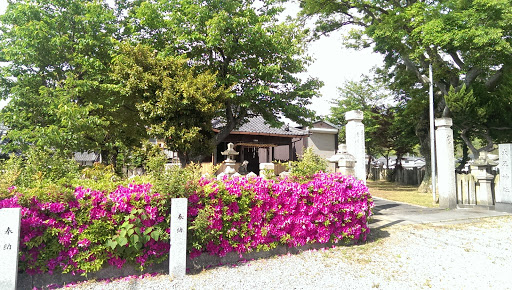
column 490, row 142
column 456, row 59
column 463, row 135
column 472, row 74
column 493, row 81
column 410, row 66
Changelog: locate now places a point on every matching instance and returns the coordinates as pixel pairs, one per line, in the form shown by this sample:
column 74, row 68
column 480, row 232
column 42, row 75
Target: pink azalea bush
column 92, row 228
column 89, row 229
column 243, row 215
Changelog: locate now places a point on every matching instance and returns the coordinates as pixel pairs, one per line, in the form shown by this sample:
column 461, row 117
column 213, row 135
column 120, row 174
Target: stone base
column 503, row 207
column 476, row 206
column 26, row 281
column 194, row 266
column 448, row 202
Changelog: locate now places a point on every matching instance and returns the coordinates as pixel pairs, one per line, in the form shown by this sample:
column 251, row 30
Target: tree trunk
column 183, row 159
column 104, row 156
column 465, row 157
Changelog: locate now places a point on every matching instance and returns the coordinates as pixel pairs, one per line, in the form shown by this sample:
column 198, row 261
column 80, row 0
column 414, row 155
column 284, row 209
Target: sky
column 332, row 64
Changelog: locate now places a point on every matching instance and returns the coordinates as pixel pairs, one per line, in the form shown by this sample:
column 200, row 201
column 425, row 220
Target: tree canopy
column 387, row 128
column 467, row 42
column 72, row 82
column 244, row 44
column 177, row 103
column 59, row 55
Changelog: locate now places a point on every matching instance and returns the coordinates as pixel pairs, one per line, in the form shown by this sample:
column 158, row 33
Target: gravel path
column 472, row 255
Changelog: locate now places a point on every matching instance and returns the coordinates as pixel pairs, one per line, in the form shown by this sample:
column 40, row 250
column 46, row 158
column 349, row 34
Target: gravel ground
column 472, row 255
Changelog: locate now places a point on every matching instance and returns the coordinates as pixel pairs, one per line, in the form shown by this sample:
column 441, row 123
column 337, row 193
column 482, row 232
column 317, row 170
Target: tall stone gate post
column 355, row 142
column 445, row 163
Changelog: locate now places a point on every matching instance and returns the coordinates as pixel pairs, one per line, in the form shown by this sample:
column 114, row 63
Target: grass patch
column 398, row 192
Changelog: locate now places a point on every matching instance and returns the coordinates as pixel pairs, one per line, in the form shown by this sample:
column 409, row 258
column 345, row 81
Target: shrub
column 244, row 215
column 102, row 177
column 309, row 164
column 47, row 166
column 176, row 181
column 41, row 172
column 80, row 232
column 10, row 170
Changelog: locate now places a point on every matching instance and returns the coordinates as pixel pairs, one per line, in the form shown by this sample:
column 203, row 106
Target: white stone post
column 10, row 220
column 178, row 250
column 504, row 192
column 354, row 132
column 445, row 158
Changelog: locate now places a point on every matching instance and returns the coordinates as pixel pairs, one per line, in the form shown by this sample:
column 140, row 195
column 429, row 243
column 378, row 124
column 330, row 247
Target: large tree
column 242, row 42
column 57, row 78
column 64, row 93
column 386, row 127
column 177, row 103
column 467, row 42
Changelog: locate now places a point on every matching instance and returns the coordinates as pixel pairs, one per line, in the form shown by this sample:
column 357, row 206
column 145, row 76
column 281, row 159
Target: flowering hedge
column 130, row 224
column 93, row 227
column 243, row 215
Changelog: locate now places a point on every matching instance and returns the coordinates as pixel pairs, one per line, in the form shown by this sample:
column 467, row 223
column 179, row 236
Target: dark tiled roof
column 328, row 123
column 257, row 125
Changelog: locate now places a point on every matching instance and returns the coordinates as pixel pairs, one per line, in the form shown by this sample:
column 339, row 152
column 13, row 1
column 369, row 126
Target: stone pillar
column 445, row 160
column 504, row 192
column 480, row 169
column 10, row 221
column 354, row 132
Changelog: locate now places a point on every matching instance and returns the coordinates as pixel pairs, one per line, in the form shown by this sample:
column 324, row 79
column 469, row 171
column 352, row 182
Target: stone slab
column 10, row 220
column 178, row 250
column 504, row 192
column 354, row 115
column 503, row 207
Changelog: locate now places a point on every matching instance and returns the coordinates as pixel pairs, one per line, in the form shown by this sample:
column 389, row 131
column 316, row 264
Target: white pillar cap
column 354, row 115
column 443, row 122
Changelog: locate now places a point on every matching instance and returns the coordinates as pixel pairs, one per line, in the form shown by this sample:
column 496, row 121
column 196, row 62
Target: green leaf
column 112, row 244
column 155, row 235
column 122, row 241
column 148, row 230
column 134, row 239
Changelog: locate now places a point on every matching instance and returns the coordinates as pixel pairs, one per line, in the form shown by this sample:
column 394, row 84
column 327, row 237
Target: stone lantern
column 230, row 161
column 480, row 168
column 345, row 161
